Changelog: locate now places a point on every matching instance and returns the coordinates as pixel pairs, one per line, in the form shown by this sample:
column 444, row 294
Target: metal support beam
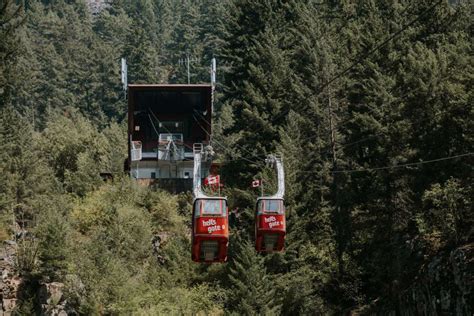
column 277, row 162
column 197, row 189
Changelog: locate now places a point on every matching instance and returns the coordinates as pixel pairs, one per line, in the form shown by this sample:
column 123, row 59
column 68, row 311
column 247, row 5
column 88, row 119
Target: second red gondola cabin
column 270, row 225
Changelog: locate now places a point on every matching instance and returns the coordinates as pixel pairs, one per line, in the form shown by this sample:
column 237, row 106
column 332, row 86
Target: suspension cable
column 362, row 58
column 228, row 150
column 394, row 166
column 224, row 147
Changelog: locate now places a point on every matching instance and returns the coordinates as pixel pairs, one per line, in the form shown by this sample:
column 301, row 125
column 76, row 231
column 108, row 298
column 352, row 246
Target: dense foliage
column 369, row 102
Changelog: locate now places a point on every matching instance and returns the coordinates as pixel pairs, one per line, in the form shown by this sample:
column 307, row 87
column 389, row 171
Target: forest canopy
column 370, row 104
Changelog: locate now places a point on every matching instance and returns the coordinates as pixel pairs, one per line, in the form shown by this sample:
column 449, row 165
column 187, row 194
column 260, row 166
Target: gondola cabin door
column 210, row 237
column 270, row 225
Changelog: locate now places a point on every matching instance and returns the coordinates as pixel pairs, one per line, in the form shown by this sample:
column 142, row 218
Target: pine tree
column 213, row 20
column 141, row 57
column 185, row 43
column 52, row 232
column 46, row 33
column 20, row 167
column 11, row 20
column 392, row 99
column 257, row 48
column 110, row 38
column 252, row 289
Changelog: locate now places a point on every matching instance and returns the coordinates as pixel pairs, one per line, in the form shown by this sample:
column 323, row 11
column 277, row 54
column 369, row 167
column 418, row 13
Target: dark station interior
column 175, row 109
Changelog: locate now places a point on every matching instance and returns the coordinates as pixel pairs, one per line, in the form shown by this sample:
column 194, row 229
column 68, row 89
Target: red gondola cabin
column 270, row 225
column 210, row 237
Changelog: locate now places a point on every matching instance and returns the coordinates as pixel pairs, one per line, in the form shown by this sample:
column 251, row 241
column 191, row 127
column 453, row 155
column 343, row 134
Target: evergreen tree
column 257, row 47
column 52, row 232
column 109, row 42
column 348, row 92
column 252, row 289
column 11, row 19
column 20, row 167
column 142, row 58
column 185, row 43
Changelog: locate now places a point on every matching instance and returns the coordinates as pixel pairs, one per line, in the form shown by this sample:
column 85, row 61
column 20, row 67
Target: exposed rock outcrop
column 157, row 243
column 444, row 287
column 52, row 299
column 9, row 282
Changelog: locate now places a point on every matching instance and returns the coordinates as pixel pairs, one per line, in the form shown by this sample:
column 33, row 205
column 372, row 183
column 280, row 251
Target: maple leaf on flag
column 256, row 183
column 212, row 180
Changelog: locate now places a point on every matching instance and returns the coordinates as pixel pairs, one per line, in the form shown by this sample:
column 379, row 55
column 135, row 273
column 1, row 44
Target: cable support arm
column 278, row 164
column 197, row 188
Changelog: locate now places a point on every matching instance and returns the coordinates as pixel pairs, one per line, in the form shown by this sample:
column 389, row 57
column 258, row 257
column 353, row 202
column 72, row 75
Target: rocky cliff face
column 444, row 287
column 50, row 298
column 9, row 282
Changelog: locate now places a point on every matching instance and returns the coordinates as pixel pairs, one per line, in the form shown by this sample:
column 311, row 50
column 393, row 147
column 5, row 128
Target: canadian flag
column 212, row 180
column 256, row 183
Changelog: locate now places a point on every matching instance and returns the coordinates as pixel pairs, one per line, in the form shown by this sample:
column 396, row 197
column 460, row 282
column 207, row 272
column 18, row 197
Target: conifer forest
column 368, row 102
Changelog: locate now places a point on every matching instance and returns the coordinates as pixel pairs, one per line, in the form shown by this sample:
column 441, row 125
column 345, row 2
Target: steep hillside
column 369, row 103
